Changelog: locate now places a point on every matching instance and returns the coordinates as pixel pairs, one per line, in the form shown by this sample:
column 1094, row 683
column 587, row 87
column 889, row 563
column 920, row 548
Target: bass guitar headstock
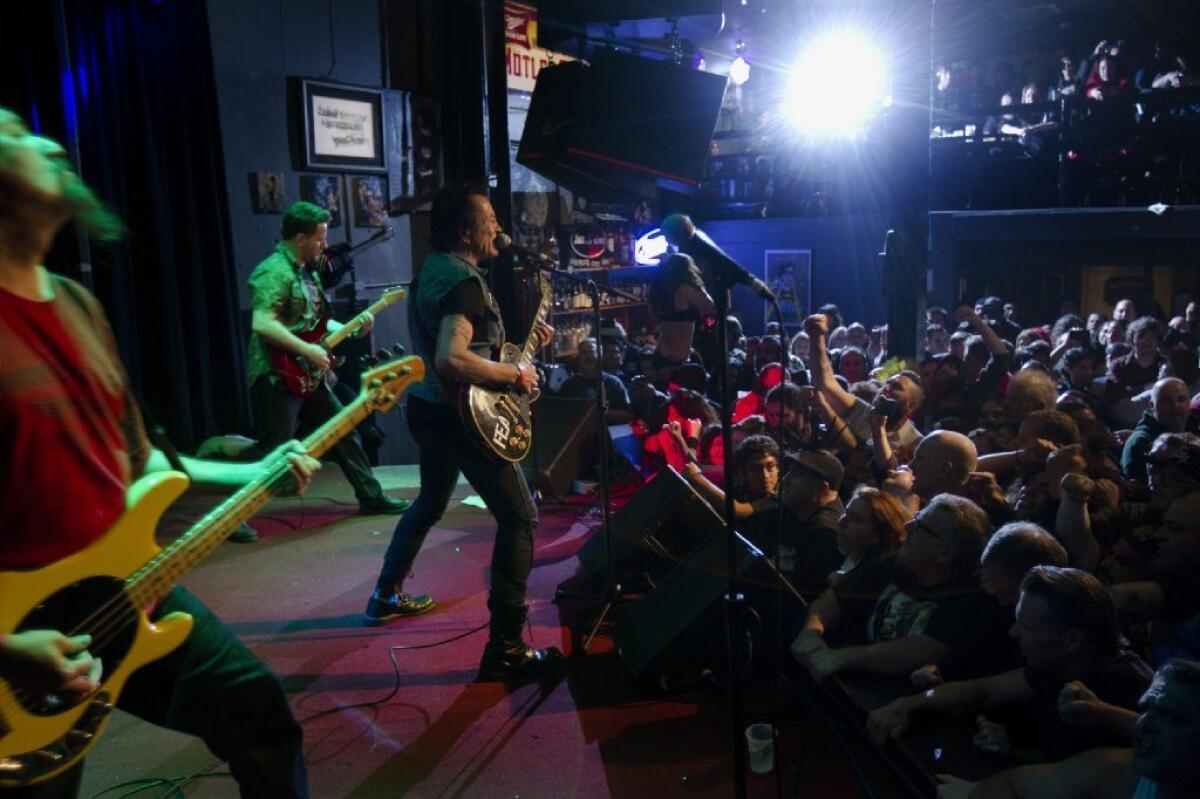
column 385, row 383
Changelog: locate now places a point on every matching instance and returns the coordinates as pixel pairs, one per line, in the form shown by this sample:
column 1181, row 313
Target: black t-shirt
column 580, row 387
column 811, row 546
column 1121, row 681
column 467, row 299
column 762, row 525
column 882, row 602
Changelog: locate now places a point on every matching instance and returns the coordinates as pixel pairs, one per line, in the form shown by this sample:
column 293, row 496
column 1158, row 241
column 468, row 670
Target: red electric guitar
column 301, row 377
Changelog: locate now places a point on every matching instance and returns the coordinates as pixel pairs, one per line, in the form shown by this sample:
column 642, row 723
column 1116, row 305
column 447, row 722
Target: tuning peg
column 383, row 354
column 367, row 361
column 398, row 349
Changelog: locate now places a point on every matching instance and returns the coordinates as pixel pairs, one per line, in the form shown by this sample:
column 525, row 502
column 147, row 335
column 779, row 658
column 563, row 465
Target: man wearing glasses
column 921, row 606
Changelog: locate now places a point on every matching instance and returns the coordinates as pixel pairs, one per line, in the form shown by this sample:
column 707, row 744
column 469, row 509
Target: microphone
column 505, row 242
column 683, row 233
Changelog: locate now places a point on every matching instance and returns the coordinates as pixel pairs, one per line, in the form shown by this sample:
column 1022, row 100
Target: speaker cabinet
column 660, row 525
column 563, row 442
column 664, row 627
column 622, row 125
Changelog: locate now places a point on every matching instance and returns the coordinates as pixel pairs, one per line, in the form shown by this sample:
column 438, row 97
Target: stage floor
column 295, row 598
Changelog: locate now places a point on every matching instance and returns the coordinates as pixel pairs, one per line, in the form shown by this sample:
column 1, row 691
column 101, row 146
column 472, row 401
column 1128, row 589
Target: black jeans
column 446, row 451
column 212, row 687
column 280, row 416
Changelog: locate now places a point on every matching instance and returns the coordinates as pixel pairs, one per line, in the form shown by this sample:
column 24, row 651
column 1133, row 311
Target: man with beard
column 902, row 393
column 73, row 442
column 952, row 399
column 1161, row 764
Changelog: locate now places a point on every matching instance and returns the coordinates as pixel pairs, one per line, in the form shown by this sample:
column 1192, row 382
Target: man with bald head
column 1168, row 413
column 942, row 464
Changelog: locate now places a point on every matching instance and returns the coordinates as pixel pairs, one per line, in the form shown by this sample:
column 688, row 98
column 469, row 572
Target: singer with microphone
column 291, row 311
column 457, row 330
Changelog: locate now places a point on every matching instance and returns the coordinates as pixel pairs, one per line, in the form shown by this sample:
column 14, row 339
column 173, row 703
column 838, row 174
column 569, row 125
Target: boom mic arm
column 683, row 233
column 505, row 242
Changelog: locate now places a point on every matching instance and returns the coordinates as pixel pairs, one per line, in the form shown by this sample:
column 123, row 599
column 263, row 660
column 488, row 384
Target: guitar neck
column 160, row 573
column 531, row 341
column 345, row 331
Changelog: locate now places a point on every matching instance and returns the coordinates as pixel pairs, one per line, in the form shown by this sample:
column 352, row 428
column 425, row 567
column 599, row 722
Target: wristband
column 518, row 380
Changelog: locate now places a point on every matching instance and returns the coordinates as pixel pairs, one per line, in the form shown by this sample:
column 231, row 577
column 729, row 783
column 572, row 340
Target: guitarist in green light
column 291, row 314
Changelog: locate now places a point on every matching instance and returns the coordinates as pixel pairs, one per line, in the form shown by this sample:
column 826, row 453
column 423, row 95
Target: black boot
column 507, row 658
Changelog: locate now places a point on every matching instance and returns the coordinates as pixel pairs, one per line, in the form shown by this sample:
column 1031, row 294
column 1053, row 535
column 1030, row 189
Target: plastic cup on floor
column 760, row 740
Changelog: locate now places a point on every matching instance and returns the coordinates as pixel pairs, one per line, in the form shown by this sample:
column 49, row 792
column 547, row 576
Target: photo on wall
column 325, row 191
column 369, row 196
column 788, row 273
column 268, row 193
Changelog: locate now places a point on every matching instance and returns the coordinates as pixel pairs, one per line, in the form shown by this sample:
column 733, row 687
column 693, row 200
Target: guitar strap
column 154, row 431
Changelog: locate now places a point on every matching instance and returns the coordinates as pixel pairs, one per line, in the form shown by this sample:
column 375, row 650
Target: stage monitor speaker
column 663, row 625
column 621, row 126
column 563, row 436
column 661, row 524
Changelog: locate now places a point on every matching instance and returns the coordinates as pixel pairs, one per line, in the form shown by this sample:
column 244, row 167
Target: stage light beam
column 836, row 86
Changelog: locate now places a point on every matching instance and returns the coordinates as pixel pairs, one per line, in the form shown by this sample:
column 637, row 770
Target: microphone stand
column 734, row 598
column 612, row 589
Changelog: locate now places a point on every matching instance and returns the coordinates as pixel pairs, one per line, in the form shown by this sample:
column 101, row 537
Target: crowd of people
column 1121, row 119
column 1012, row 524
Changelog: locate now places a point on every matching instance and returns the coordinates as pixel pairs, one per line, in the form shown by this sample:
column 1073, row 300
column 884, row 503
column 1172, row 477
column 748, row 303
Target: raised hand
column 817, row 325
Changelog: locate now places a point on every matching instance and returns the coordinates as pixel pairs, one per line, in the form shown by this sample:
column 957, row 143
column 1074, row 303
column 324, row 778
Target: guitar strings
column 111, row 618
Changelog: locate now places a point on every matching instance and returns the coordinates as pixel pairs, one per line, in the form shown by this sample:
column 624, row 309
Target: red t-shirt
column 71, row 437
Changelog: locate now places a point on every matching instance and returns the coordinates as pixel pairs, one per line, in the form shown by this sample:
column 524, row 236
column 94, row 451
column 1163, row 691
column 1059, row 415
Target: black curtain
column 134, row 78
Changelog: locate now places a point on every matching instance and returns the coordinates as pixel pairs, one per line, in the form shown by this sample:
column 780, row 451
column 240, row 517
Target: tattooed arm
column 456, row 362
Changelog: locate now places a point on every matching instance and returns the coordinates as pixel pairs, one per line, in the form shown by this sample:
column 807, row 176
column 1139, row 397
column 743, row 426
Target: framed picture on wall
column 789, row 274
column 269, row 195
column 325, row 191
column 369, row 199
column 343, row 127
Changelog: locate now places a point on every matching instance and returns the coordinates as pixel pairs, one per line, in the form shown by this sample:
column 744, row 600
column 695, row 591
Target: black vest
column 440, row 274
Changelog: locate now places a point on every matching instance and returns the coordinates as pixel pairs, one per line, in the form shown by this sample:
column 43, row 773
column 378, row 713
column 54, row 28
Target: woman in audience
column 678, row 300
column 873, row 523
column 852, row 364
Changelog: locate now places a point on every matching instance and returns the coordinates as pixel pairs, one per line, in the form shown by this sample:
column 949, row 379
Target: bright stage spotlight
column 836, row 85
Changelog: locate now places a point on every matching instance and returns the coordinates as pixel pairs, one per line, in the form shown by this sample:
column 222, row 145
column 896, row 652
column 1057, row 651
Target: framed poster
column 343, row 127
column 788, row 273
column 269, row 195
column 325, row 191
column 369, row 199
